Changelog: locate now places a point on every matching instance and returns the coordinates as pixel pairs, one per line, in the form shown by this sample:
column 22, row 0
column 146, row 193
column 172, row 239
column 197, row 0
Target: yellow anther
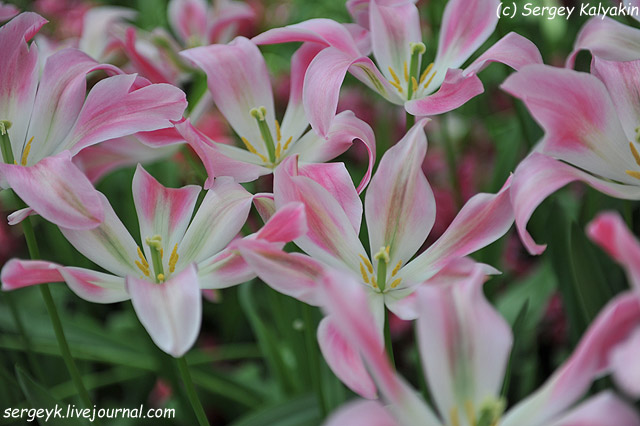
column 278, row 150
column 396, row 282
column 142, row 258
column 160, row 278
column 454, row 419
column 426, row 72
column 173, row 259
column 383, row 254
column 363, row 271
column 430, row 80
column 468, row 409
column 287, row 143
column 253, row 150
column 161, row 253
column 25, row 153
column 635, row 153
column 414, row 84
column 394, row 75
column 144, row 269
column 397, row 86
column 374, row 283
column 406, row 72
column 397, row 268
column 278, row 134
column 633, row 173
column 367, row 263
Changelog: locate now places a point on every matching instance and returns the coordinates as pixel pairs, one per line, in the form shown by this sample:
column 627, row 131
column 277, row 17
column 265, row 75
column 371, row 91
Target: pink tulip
column 163, row 277
column 396, row 40
column 46, row 120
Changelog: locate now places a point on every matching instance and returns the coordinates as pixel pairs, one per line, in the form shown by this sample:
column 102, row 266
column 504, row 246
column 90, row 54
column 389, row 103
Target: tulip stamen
column 142, row 264
column 260, row 114
column 636, row 156
column 173, row 259
column 453, row 417
column 417, row 50
column 426, row 72
column 155, row 244
column 25, row 153
column 252, row 149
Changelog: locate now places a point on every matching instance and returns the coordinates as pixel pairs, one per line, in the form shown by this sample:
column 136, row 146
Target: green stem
column 15, row 313
column 387, row 338
column 314, row 360
column 191, row 392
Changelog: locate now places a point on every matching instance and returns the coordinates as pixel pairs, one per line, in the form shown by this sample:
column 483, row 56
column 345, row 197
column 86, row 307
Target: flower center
column 636, row 156
column 157, row 254
column 411, row 71
column 378, row 280
column 488, row 414
column 274, row 150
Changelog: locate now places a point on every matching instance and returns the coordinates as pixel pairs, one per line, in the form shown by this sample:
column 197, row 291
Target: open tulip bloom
column 396, row 41
column 465, row 344
column 591, row 124
column 163, row 276
column 239, row 84
column 46, row 120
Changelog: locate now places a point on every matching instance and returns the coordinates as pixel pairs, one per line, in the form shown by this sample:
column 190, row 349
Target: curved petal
column 345, row 128
column 7, row 11
column 625, row 366
column 331, row 237
column 344, row 360
column 96, row 27
column 288, row 223
column 602, row 409
column 57, row 190
column 591, row 359
column 455, row 91
column 19, row 74
column 538, row 176
column 109, row 245
column 394, row 26
column 609, row 231
column 512, row 50
column 115, row 108
column 466, row 25
column 227, row 16
column 219, row 218
column 399, row 205
column 162, row 211
column 89, row 285
column 223, row 270
column 188, row 19
column 238, row 81
column 580, row 122
column 170, row 311
column 464, row 344
column 361, row 413
column 481, row 221
column 607, row 39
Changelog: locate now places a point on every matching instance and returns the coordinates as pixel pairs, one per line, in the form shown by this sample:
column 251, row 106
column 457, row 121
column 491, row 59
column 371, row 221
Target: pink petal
column 607, row 39
column 466, row 25
column 20, row 215
column 580, row 122
column 223, row 270
column 603, row 409
column 228, row 15
column 393, row 27
column 481, row 221
column 361, row 413
column 7, row 11
column 345, row 129
column 141, row 63
column 288, row 223
column 162, row 211
column 454, row 92
column 170, row 311
column 218, row 220
column 399, row 205
column 188, row 19
column 97, row 27
column 238, row 81
column 538, row 176
column 625, row 366
column 512, row 49
column 90, row 285
column 464, row 343
column 344, row 360
column 615, row 323
column 331, row 237
column 265, row 205
column 57, row 190
column 359, row 11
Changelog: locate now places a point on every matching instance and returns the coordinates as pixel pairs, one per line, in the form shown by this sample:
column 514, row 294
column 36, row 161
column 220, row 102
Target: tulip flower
column 464, row 344
column 45, row 120
column 164, row 275
column 239, row 84
column 400, row 211
column 396, row 41
column 591, row 134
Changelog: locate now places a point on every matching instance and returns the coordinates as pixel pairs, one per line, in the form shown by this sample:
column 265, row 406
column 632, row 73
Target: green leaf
column 301, row 411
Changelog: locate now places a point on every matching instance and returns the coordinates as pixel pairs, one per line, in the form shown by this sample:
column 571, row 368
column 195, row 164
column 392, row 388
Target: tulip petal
column 580, row 122
column 344, row 360
column 238, row 81
column 96, row 28
column 538, row 176
column 455, row 91
column 602, row 409
column 466, row 25
column 7, row 11
column 464, row 343
column 227, row 16
column 89, row 285
column 331, row 237
column 481, row 221
column 625, row 366
column 399, row 205
column 288, row 223
column 188, row 19
column 512, row 50
column 617, row 320
column 361, row 413
column 345, row 128
column 223, row 270
column 220, row 217
column 57, row 190
column 170, row 311
column 115, row 108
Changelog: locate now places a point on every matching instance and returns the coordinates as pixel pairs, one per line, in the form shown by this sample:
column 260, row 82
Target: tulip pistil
column 260, row 114
column 155, row 244
column 5, row 142
column 417, row 50
column 382, row 256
